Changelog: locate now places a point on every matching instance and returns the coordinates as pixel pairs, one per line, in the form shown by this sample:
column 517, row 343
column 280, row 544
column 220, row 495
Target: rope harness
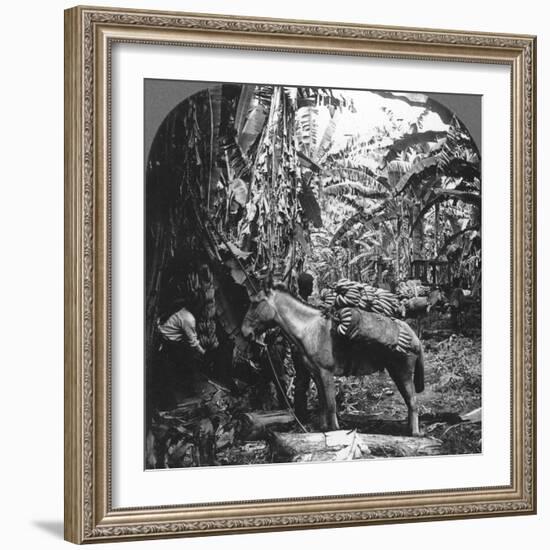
column 283, row 393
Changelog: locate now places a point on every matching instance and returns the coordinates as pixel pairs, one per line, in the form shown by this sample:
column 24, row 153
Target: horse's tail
column 419, row 370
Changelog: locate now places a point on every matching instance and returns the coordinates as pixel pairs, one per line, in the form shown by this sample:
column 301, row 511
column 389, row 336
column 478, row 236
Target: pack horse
column 373, row 342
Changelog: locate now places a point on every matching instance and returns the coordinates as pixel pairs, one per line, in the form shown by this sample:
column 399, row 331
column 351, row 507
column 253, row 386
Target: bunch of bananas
column 346, row 294
column 413, row 288
column 343, row 320
column 202, row 286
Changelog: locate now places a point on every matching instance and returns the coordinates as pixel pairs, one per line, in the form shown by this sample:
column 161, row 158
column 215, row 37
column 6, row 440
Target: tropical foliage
column 246, row 180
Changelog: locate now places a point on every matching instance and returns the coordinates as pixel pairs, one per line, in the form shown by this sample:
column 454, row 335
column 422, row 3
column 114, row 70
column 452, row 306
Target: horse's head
column 261, row 314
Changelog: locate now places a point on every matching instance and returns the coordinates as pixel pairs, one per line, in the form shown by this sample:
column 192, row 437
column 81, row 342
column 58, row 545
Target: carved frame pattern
column 89, row 33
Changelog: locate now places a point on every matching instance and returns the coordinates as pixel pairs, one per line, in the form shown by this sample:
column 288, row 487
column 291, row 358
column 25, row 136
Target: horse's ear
column 258, row 297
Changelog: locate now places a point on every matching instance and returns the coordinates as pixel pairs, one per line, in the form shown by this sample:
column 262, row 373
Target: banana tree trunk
column 436, row 230
column 398, row 249
column 417, row 233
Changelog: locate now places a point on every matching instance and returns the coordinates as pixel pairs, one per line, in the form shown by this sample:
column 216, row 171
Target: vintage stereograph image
column 313, row 274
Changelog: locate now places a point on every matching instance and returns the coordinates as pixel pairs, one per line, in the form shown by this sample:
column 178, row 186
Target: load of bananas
column 413, row 288
column 201, row 285
column 346, row 295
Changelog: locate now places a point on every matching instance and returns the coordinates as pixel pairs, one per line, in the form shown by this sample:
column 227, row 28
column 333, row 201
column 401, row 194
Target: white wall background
column 31, row 272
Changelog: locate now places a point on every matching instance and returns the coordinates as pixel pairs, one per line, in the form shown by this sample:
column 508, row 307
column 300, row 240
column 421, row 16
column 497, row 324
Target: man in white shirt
column 180, row 327
column 181, row 350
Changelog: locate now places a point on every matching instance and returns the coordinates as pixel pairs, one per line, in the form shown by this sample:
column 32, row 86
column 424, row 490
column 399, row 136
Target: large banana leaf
column 442, row 195
column 420, row 100
column 244, row 107
column 237, row 163
column 360, row 174
column 410, row 140
column 362, row 256
column 355, row 189
column 419, row 168
column 215, row 104
column 251, row 115
column 307, row 130
column 325, row 143
column 359, row 216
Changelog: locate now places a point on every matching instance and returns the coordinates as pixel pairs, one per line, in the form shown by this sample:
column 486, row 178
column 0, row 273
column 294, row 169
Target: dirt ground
column 452, row 389
column 369, row 404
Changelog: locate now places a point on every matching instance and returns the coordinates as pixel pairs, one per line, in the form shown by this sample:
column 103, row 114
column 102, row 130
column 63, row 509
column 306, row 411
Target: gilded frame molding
column 89, row 34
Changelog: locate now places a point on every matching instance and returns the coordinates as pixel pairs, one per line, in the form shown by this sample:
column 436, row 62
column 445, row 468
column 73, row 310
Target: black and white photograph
column 313, row 274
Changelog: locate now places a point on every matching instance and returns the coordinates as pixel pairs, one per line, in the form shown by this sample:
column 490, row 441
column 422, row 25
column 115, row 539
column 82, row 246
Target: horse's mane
column 281, row 287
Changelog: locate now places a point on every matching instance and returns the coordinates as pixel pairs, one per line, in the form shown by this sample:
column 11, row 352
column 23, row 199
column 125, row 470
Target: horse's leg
column 403, row 375
column 321, row 393
column 301, row 386
column 330, row 397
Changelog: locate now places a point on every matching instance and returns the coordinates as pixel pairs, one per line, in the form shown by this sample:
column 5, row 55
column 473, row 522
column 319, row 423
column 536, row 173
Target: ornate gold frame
column 89, row 34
